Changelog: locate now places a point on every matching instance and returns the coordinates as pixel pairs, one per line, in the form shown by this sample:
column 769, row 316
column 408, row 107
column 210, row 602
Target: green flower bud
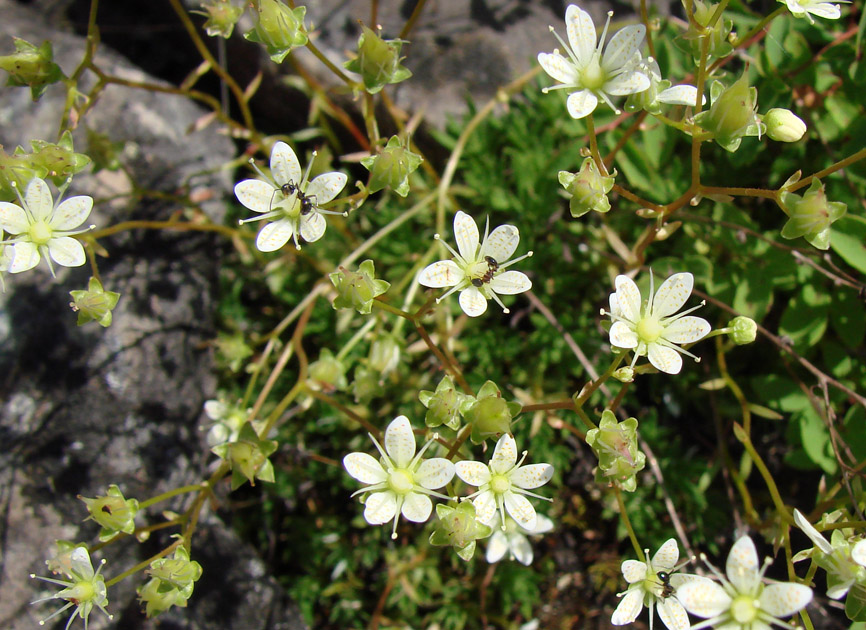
column 391, row 168
column 248, row 456
column 171, row 584
column 113, row 512
column 458, row 528
column 624, row 374
column 32, row 66
column 445, row 405
column 732, row 114
column 743, row 330
column 221, row 17
column 811, row 215
column 327, row 374
column 588, row 189
column 228, row 420
column 384, row 355
column 378, row 61
column 357, row 289
column 366, row 385
column 94, row 304
column 490, row 416
column 615, row 445
column 232, row 349
column 279, row 28
column 783, row 125
column 718, row 36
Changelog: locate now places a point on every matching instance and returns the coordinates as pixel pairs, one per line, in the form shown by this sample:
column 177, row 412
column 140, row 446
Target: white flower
column 660, row 91
column 514, row 540
column 84, row 589
column 808, row 8
column 502, row 484
column 588, row 73
column 742, row 601
column 290, row 203
column 843, row 562
column 228, row 420
column 653, row 582
column 401, row 482
column 478, row 272
column 652, row 329
column 41, row 227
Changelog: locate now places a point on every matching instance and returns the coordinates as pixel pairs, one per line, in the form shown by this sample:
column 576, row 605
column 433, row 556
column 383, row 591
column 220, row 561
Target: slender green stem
column 143, row 565
column 623, row 514
column 171, row 493
column 781, row 509
column 759, row 27
column 363, row 330
column 583, row 395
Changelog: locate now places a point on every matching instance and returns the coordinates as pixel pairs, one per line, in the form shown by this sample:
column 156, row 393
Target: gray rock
column 82, row 408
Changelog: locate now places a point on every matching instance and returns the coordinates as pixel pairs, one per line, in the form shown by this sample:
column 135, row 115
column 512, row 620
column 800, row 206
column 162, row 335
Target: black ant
column 307, row 202
column 667, row 589
column 492, row 267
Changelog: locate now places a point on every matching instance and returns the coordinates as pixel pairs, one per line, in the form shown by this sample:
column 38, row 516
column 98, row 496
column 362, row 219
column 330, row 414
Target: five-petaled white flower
column 654, row 582
column 38, row 226
column 400, row 481
column 742, row 601
column 589, row 74
column 502, row 484
column 652, row 329
column 84, row 589
column 514, row 540
column 808, row 8
column 844, row 562
column 478, row 272
column 289, row 202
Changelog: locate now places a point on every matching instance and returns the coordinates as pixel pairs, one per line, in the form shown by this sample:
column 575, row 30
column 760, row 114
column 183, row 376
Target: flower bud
column 113, row 512
column 366, row 385
column 279, row 28
column 222, row 16
column 718, row 35
column 228, row 419
column 811, row 215
column 588, row 189
column 248, row 456
column 624, row 374
column 743, row 330
column 490, row 416
column 171, row 584
column 732, row 114
column 457, row 527
column 357, row 289
column 384, row 355
column 615, row 445
column 391, row 168
column 783, row 125
column 327, row 374
column 94, row 303
column 445, row 405
column 378, row 61
column 32, row 66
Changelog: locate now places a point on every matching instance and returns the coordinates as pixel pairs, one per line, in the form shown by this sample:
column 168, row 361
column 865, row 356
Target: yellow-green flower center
column 40, row 233
column 400, row 481
column 592, row 77
column 744, row 609
column 291, row 206
column 477, row 269
column 82, row 592
column 500, row 484
column 649, row 329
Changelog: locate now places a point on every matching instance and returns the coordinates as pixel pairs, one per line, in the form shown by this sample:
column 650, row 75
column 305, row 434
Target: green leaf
column 816, row 439
column 848, row 238
column 848, row 316
column 805, row 319
column 781, row 392
column 855, row 603
column 765, row 412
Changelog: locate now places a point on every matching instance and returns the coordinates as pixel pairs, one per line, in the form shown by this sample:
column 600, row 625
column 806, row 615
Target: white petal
column 521, row 510
column 532, row 476
column 622, row 47
column 38, row 199
column 25, row 257
column 558, row 67
column 704, row 598
column 313, row 227
column 623, row 336
column 444, row 273
column 274, row 235
column 629, row 82
column 628, row 296
column 581, row 33
column 66, row 251
column 784, row 599
column 673, row 615
column 79, row 561
column 473, row 473
column 13, row 218
column 326, row 186
column 285, row 167
column 742, row 565
column 581, row 104
column 825, row 10
column 813, row 534
column 380, row 507
column 510, row 283
column 672, row 294
column 667, row 555
column 634, row 571
column 501, row 243
column 686, row 329
column 466, row 235
column 255, row 194
column 629, row 607
column 838, row 591
column 417, row 507
column 664, row 359
column 472, row 302
column 434, row 473
column 364, row 468
column 681, row 95
column 497, row 546
column 504, row 455
column 520, row 547
column 543, row 525
column 400, row 441
column 858, row 553
column 485, row 507
column 72, row 212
